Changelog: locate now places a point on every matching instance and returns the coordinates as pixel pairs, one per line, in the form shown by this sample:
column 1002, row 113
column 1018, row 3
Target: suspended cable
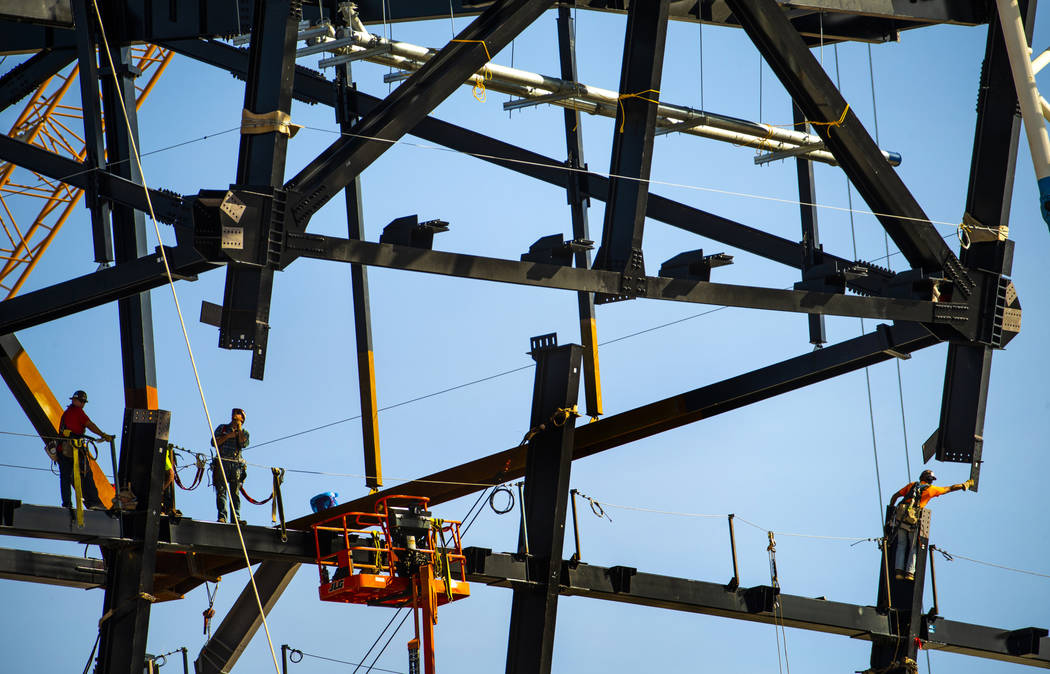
column 182, row 322
column 344, row 662
column 701, row 24
column 867, row 372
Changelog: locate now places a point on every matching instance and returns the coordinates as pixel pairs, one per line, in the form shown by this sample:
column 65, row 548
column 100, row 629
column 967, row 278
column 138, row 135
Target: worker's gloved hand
column 968, row 484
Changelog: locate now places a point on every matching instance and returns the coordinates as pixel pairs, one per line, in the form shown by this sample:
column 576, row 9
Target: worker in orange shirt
column 908, row 514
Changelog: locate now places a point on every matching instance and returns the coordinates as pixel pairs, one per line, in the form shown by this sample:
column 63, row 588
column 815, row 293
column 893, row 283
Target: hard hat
column 238, row 410
column 927, row 476
column 79, row 395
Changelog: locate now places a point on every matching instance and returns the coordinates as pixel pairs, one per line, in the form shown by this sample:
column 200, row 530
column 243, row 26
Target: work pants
column 87, row 483
column 235, row 474
column 907, row 542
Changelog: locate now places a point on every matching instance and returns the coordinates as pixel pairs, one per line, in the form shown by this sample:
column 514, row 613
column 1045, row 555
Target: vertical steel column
column 578, row 204
column 129, row 225
column 904, row 603
column 366, row 370
column 807, row 196
column 632, row 152
column 94, row 146
column 530, row 647
column 260, row 164
column 130, row 568
column 994, row 158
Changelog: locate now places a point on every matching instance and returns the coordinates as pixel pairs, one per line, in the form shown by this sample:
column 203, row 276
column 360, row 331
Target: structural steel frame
column 944, row 297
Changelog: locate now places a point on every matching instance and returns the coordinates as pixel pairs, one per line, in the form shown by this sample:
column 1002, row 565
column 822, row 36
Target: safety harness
column 909, row 512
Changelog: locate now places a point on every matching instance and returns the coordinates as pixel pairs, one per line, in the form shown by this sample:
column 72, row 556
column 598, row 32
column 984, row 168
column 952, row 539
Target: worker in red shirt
column 72, row 427
column 908, row 514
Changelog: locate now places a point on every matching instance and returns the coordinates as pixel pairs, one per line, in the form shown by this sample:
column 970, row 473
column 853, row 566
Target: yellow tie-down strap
column 268, row 122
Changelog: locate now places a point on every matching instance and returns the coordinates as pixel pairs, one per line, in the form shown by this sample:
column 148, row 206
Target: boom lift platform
column 398, row 556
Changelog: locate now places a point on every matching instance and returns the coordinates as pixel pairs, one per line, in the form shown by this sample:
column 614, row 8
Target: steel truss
column 966, row 300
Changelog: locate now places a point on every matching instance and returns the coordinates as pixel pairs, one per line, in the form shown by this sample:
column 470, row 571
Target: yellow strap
column 76, row 482
column 268, row 122
column 488, row 56
column 621, row 97
column 479, row 83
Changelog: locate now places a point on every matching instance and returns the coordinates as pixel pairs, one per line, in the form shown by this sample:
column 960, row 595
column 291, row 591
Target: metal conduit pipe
column 595, row 100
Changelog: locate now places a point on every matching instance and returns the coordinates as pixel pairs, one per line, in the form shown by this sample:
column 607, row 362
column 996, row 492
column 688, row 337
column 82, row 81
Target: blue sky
column 799, row 463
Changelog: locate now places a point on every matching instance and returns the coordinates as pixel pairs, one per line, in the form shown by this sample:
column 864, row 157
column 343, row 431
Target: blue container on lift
column 324, row 501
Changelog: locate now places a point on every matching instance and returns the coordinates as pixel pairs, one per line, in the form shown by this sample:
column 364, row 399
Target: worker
column 231, row 438
column 908, row 514
column 71, row 427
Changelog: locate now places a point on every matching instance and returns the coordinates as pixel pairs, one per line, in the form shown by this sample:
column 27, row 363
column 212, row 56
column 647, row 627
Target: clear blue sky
column 799, row 463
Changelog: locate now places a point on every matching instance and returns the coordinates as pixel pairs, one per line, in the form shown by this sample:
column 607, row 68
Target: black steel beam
column 548, row 465
column 224, row 647
column 811, row 248
column 124, row 624
column 409, row 104
column 167, row 205
column 156, row 20
column 959, row 435
column 98, row 288
column 311, row 87
column 627, row 585
column 41, row 567
column 901, row 600
column 606, row 282
column 632, row 151
column 845, row 136
column 578, row 206
column 244, row 322
column 707, row 401
column 94, row 140
column 24, row 78
column 366, row 371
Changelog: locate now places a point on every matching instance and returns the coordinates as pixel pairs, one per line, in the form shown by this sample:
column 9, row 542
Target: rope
column 620, row 99
column 341, row 662
column 182, row 322
column 953, row 556
column 559, row 418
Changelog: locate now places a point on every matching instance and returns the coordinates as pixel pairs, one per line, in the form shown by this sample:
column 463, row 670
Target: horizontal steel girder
column 41, row 567
column 626, row 585
column 610, row 283
column 310, row 87
column 155, row 20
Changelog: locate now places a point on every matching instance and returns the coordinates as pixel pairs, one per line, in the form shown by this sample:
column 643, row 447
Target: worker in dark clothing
column 908, row 514
column 231, row 439
column 72, row 426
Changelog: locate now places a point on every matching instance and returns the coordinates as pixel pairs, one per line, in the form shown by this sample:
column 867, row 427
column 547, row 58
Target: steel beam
column 245, row 316
column 632, row 150
column 548, row 464
column 959, row 434
column 166, row 205
column 98, row 288
column 606, row 282
column 28, row 387
column 410, row 103
column 312, row 88
column 843, row 134
column 24, row 78
column 94, row 141
column 130, row 569
column 346, row 113
column 901, row 600
column 1027, row 646
column 223, row 649
column 884, row 343
column 41, row 567
column 811, row 248
column 578, row 205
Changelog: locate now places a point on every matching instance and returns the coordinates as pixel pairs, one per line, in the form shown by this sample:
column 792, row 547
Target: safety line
column 182, row 322
column 998, row 566
column 346, row 662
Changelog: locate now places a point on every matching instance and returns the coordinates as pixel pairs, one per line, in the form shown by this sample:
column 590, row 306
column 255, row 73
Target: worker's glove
column 968, row 484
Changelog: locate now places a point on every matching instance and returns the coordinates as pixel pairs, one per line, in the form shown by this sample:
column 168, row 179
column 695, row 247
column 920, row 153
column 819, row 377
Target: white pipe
column 1028, row 97
column 605, row 102
column 1039, row 62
